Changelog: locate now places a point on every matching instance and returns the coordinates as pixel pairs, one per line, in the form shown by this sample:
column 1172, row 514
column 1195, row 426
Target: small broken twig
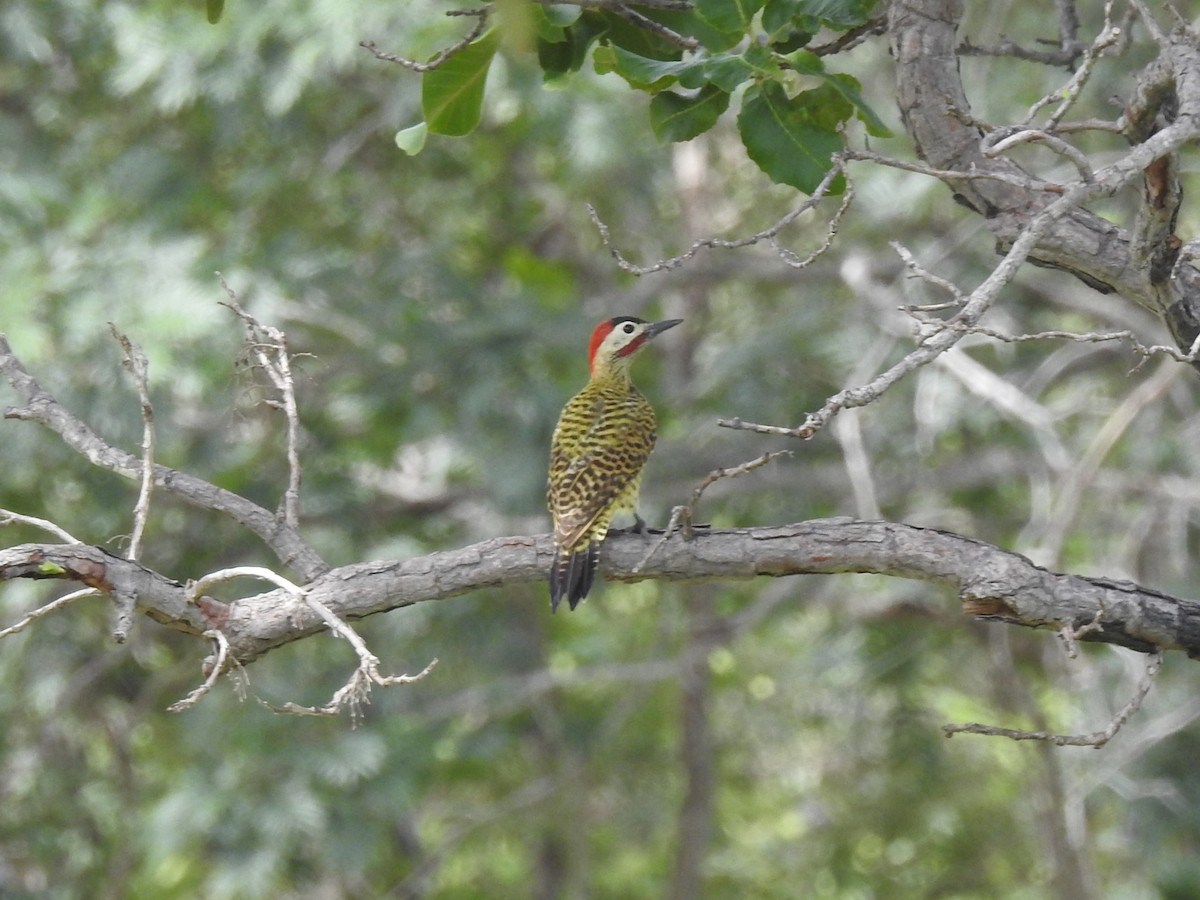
column 1095, row 739
column 268, row 345
column 682, row 516
column 52, row 606
column 769, row 235
column 442, row 55
column 355, row 692
column 218, row 669
column 8, row 517
column 138, row 366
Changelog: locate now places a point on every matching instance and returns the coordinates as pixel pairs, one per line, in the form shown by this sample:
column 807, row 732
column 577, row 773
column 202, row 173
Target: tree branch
column 937, row 115
column 990, row 582
column 39, row 406
column 138, row 366
column 1095, row 739
column 267, row 345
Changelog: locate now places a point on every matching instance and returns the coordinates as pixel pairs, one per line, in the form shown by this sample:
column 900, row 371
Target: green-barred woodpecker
column 601, row 443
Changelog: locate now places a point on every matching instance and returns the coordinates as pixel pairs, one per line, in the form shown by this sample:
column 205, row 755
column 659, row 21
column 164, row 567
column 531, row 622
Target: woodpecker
column 601, row 443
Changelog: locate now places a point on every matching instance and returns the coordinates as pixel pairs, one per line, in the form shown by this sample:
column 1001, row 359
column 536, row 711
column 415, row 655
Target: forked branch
column 39, row 406
column 988, row 581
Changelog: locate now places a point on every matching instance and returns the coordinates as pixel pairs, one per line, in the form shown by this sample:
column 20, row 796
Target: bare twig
column 667, row 34
column 1068, row 23
column 730, row 472
column 831, row 229
column 930, row 345
column 1096, row 337
column 1021, row 181
column 678, row 5
column 201, row 585
column 1148, row 21
column 768, row 234
column 268, row 345
column 357, row 690
column 1070, row 635
column 1071, row 490
column 38, row 405
column 354, row 693
column 52, row 606
column 8, row 517
column 852, row 38
column 442, row 55
column 138, row 366
column 916, row 270
column 1114, row 126
column 1001, row 141
column 1064, row 56
column 683, row 516
column 217, row 670
column 1096, row 739
column 1066, row 96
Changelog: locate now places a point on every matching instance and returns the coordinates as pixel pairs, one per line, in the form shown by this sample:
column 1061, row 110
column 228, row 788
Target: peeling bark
column 1140, row 265
column 990, row 582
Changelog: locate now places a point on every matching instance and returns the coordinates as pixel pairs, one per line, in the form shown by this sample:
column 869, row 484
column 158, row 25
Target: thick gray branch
column 41, row 407
column 938, row 117
column 989, row 582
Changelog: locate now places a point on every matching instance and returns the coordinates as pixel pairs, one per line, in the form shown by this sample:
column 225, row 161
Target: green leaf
column 846, row 87
column 807, row 16
column 46, row 567
column 556, row 57
column 782, row 139
column 689, row 24
column 851, row 90
column 545, row 28
column 559, row 58
column 827, row 109
column 604, row 60
column 728, row 15
column 561, row 15
column 806, row 62
column 452, row 93
column 838, row 14
column 648, row 74
column 213, row 10
column 728, row 70
column 789, row 40
column 781, row 14
column 412, row 140
column 677, row 118
column 633, row 38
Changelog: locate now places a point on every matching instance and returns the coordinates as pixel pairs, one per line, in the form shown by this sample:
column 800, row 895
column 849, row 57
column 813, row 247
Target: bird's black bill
column 656, row 328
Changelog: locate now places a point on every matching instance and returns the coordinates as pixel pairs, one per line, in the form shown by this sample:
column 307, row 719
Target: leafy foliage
column 728, row 50
column 438, row 305
column 452, row 93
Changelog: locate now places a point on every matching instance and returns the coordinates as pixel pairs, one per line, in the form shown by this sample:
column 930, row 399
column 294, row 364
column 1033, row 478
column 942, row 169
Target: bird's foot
column 638, row 527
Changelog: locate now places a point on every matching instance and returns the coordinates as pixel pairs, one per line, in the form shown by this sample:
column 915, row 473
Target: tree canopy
column 291, row 295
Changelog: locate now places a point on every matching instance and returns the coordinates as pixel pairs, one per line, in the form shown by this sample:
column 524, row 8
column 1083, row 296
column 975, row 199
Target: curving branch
column 1142, row 265
column 990, row 582
column 41, row 407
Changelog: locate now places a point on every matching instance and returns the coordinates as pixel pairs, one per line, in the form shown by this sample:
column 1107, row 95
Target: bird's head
column 615, row 340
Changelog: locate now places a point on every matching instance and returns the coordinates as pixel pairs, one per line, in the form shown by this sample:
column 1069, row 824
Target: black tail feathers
column 571, row 575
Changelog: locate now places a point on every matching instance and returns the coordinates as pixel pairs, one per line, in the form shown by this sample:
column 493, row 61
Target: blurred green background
column 764, row 739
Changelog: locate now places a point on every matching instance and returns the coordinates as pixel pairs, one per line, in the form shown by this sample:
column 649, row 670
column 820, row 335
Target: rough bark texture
column 41, row 407
column 990, row 582
column 1138, row 265
column 1146, row 263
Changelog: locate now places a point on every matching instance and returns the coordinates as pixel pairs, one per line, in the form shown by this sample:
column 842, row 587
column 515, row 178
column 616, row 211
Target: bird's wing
column 591, row 466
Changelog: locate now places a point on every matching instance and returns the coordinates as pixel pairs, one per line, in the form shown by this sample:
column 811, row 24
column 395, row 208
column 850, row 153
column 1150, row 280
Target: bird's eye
column 628, row 329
